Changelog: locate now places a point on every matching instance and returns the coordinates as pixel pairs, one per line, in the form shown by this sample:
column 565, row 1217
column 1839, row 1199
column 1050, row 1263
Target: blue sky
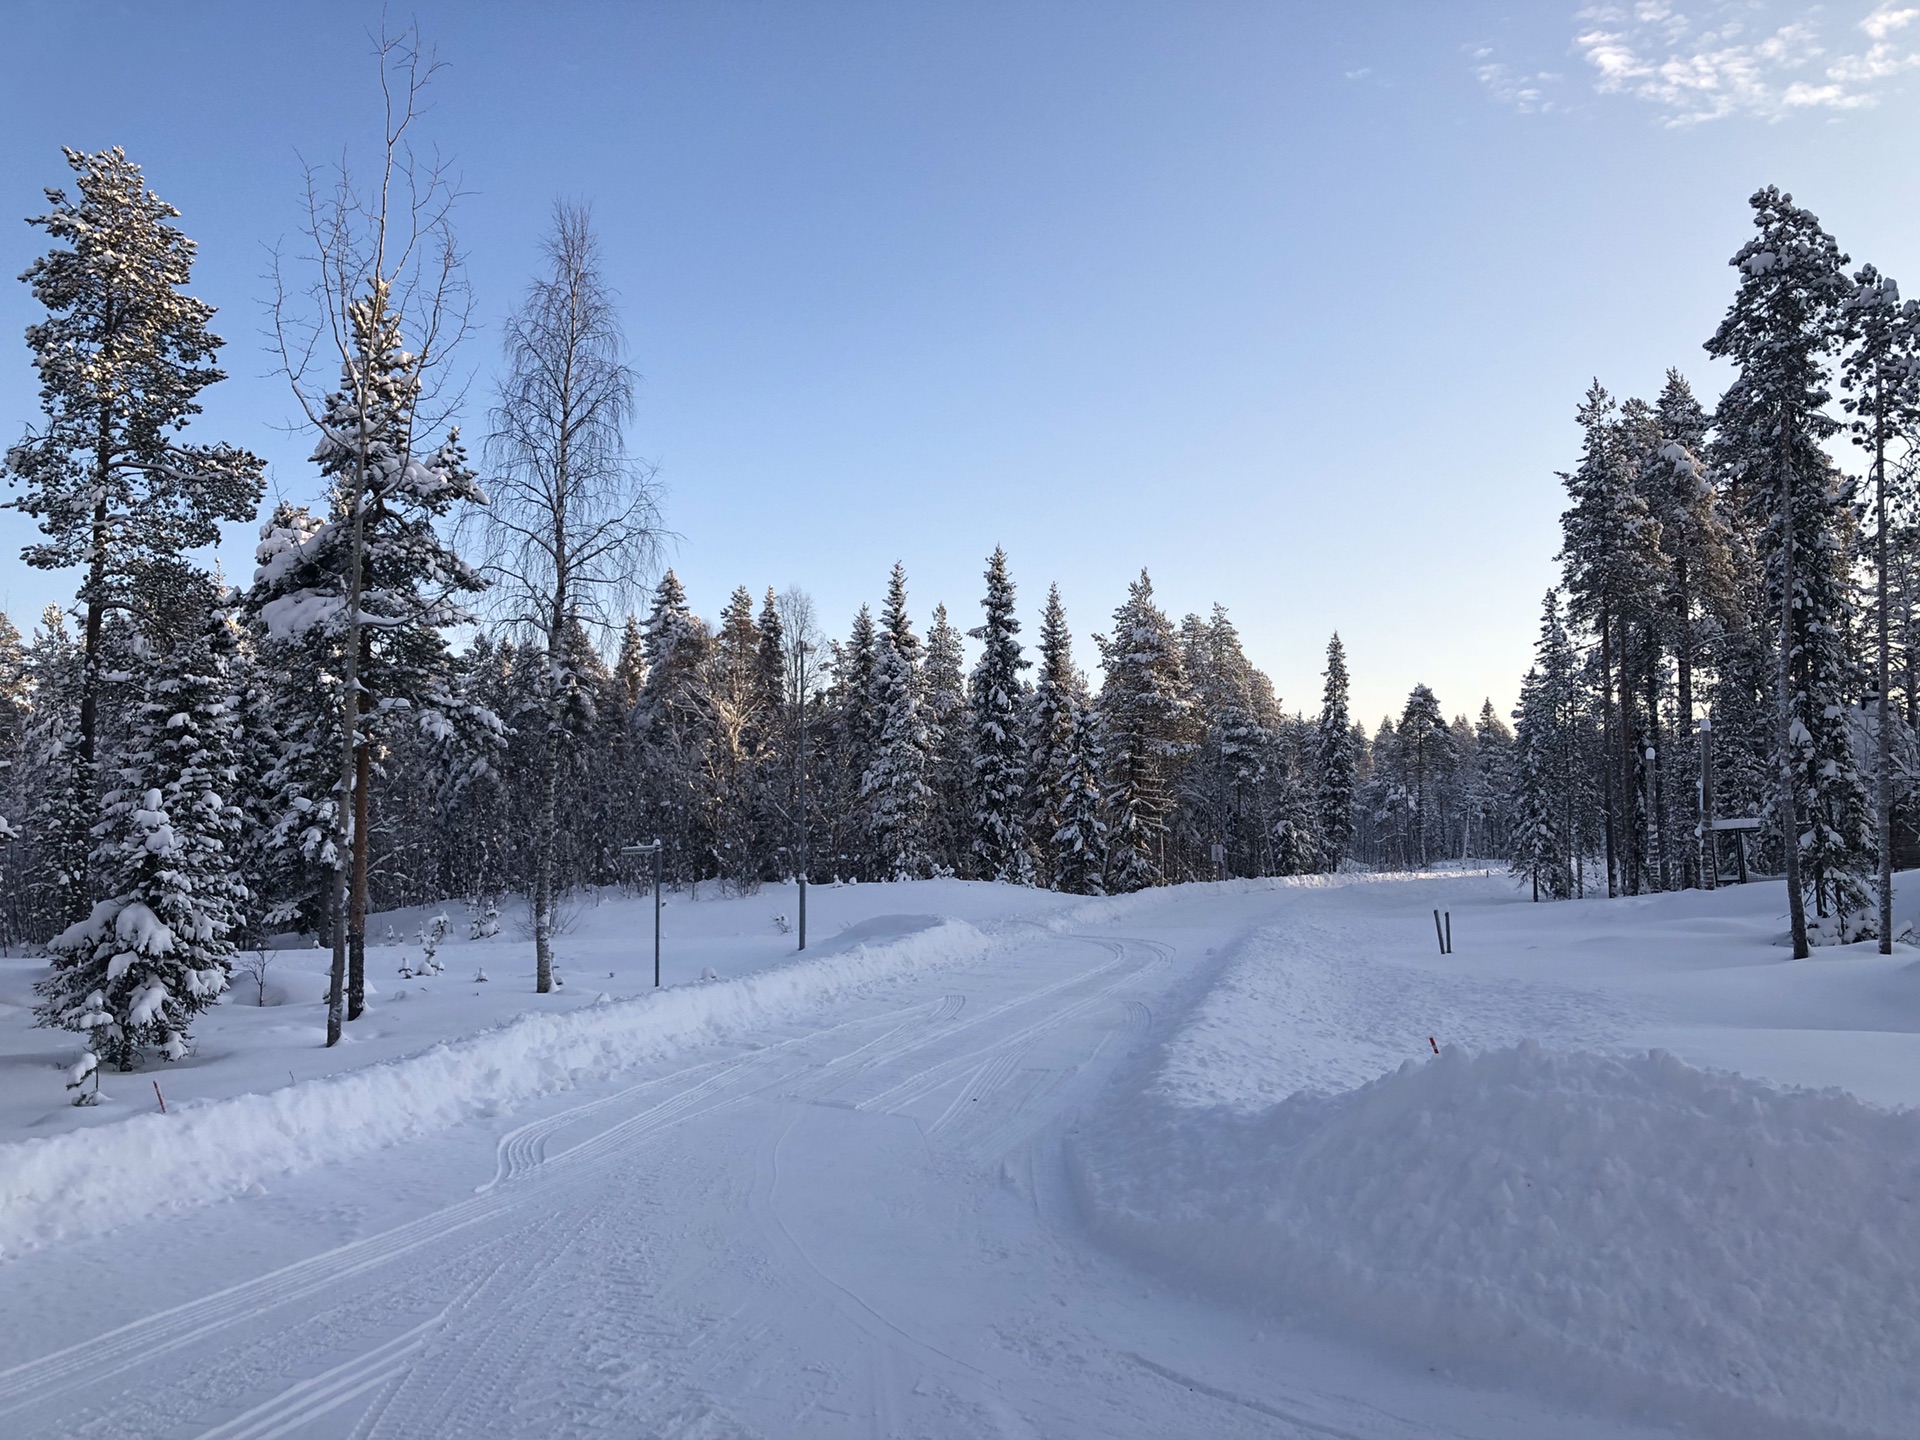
column 1289, row 303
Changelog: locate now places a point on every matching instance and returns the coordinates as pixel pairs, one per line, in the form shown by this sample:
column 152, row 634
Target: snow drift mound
column 1696, row 1241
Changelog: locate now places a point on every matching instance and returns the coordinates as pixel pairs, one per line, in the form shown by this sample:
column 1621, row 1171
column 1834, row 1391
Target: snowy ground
column 991, row 1162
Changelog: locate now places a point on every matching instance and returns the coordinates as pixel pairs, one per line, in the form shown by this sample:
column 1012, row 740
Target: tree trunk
column 543, row 859
column 1631, row 841
column 1608, row 769
column 1789, row 783
column 1692, row 867
column 1660, row 863
column 1883, row 778
column 357, row 907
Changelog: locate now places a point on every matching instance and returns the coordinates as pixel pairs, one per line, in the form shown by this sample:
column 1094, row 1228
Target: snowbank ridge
column 62, row 1187
column 1692, row 1240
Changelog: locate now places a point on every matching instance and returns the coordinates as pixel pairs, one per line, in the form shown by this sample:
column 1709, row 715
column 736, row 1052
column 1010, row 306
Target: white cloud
column 1721, row 58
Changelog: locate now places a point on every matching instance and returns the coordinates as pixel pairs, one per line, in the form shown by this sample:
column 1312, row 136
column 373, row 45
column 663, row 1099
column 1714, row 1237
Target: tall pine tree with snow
column 1146, row 725
column 895, row 787
column 122, row 357
column 1881, row 377
column 1334, row 779
column 950, row 749
column 1052, row 761
column 157, row 951
column 1780, row 333
column 1546, row 763
column 670, row 723
column 388, row 494
column 998, row 697
column 1078, row 852
column 1427, row 756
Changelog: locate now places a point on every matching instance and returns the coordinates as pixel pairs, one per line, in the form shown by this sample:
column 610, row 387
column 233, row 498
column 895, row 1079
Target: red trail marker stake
column 1436, row 1047
column 158, row 1096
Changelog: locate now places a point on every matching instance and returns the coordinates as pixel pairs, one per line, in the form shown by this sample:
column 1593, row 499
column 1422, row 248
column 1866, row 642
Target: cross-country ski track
column 862, row 1223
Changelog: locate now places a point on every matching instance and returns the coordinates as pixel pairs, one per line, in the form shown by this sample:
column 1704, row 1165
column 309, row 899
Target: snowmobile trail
column 861, row 1225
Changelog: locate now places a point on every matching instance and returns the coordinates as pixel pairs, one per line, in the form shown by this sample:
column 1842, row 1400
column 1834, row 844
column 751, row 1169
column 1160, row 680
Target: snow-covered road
column 859, row 1225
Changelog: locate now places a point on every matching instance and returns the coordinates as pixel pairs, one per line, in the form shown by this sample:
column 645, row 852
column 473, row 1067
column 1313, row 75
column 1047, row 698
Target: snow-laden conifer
column 1051, row 742
column 158, row 949
column 1334, row 780
column 998, row 699
column 1146, row 725
column 122, row 356
column 1780, row 333
column 950, row 753
column 895, row 785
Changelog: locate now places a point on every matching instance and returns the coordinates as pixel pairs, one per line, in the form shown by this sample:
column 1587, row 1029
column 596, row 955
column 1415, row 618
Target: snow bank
column 65, row 1186
column 1690, row 1240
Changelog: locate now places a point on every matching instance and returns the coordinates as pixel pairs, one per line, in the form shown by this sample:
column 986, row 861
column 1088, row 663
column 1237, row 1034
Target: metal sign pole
column 658, row 851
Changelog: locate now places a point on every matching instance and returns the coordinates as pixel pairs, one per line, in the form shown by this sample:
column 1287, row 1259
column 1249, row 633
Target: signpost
column 1740, row 829
column 656, row 850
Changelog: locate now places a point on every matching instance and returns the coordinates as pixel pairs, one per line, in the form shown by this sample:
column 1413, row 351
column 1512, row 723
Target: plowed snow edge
column 65, row 1187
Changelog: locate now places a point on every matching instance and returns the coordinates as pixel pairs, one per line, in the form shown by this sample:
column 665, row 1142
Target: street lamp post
column 656, row 850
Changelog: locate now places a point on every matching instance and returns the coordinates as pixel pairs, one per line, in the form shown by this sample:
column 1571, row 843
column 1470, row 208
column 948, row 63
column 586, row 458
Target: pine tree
column 158, row 950
column 1773, row 420
column 1546, row 763
column 1051, row 738
column 122, row 358
column 670, row 723
column 855, row 733
column 1489, row 784
column 733, row 696
column 895, row 784
column 1427, row 757
column 1881, row 376
column 1699, row 546
column 1613, row 573
column 1145, row 719
column 1334, row 776
column 1000, row 760
column 1078, row 849
column 950, row 755
column 389, row 494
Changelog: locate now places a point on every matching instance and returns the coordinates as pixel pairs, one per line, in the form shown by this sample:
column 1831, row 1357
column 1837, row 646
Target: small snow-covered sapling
column 480, row 977
column 432, row 932
column 780, row 924
column 486, row 924
column 87, row 1065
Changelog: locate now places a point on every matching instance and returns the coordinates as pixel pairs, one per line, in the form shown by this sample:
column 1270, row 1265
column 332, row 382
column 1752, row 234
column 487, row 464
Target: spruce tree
column 157, row 951
column 1427, row 757
column 1000, row 777
column 1051, row 742
column 1146, row 725
column 1881, row 376
column 670, row 724
column 1780, row 332
column 1078, row 848
column 1547, row 763
column 1334, row 780
column 122, row 358
column 895, row 784
column 950, row 754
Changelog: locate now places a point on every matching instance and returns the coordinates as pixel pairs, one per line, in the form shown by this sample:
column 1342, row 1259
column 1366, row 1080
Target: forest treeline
column 1734, row 637
column 457, row 677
